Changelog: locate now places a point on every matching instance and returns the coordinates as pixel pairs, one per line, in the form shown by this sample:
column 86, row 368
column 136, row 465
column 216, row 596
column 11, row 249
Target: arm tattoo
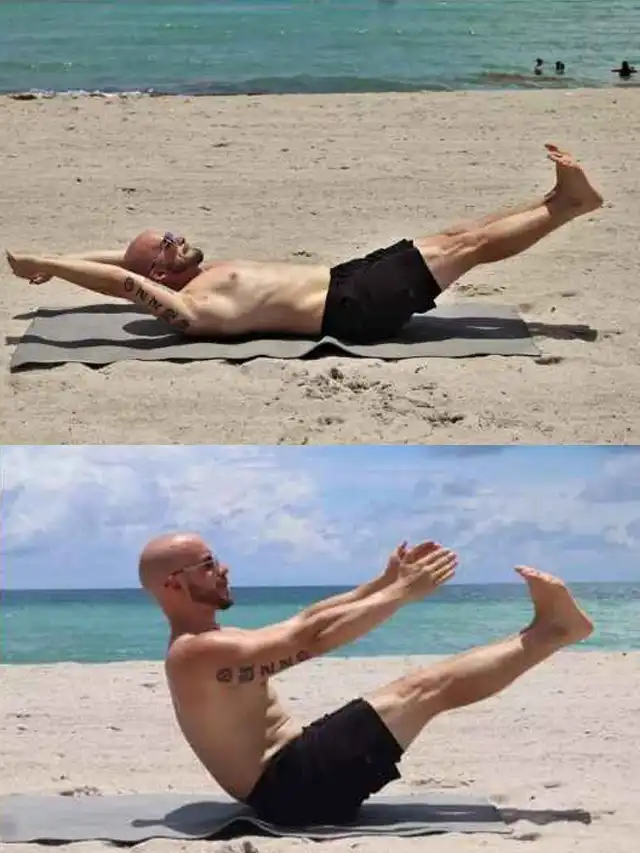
column 138, row 293
column 247, row 673
column 224, row 676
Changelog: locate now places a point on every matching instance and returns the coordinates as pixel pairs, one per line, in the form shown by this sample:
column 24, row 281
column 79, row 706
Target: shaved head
column 142, row 251
column 166, row 554
column 184, row 576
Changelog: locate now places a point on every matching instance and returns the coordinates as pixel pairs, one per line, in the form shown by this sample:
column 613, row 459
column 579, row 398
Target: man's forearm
column 94, row 276
column 357, row 594
column 337, row 626
column 112, row 258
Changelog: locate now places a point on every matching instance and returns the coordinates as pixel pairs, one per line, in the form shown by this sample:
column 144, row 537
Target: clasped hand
column 420, row 570
column 27, row 266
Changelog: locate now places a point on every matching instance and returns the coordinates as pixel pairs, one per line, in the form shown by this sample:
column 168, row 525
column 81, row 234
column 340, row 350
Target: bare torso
column 243, row 297
column 234, row 729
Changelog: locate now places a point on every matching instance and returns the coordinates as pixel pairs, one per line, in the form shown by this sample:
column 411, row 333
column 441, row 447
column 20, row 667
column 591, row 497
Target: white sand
column 323, row 178
column 562, row 738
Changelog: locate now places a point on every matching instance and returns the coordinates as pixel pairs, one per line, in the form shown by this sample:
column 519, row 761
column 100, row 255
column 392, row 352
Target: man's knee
column 409, row 704
column 430, row 686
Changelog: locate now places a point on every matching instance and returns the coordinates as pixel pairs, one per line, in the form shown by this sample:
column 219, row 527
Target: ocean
column 100, row 626
column 264, row 46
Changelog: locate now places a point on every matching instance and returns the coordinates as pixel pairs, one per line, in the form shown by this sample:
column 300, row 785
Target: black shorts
column 371, row 298
column 325, row 774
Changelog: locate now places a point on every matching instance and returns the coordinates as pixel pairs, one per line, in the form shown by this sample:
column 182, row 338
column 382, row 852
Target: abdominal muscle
column 233, row 730
column 245, row 296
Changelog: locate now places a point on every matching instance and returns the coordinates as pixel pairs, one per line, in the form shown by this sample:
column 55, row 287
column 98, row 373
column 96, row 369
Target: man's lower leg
column 489, row 219
column 470, row 677
column 508, row 237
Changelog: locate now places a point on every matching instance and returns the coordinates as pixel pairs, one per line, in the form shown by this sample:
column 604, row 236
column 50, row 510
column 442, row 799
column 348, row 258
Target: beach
column 321, row 178
column 553, row 751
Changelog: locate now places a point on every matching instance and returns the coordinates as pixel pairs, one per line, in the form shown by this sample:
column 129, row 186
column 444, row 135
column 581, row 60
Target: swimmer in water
column 625, row 71
column 538, row 67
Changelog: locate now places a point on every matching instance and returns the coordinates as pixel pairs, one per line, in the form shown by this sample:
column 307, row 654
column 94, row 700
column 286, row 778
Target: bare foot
column 572, row 185
column 552, row 193
column 555, row 608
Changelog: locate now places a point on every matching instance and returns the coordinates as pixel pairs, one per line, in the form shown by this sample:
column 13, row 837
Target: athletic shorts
column 325, row 774
column 371, row 298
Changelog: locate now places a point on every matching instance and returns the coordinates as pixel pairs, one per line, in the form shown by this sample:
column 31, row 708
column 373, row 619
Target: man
column 625, row 71
column 231, row 716
column 366, row 299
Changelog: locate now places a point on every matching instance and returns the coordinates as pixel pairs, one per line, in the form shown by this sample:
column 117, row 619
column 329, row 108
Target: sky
column 77, row 517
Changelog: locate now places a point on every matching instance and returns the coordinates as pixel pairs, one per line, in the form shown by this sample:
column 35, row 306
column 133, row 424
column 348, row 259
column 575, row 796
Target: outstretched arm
column 238, row 658
column 171, row 307
column 112, row 258
column 388, row 576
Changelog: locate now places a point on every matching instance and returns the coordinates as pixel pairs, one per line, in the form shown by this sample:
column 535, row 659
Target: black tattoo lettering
column 224, row 676
column 129, row 284
column 246, row 674
column 285, row 663
column 302, row 656
column 267, row 669
column 141, row 294
column 154, row 304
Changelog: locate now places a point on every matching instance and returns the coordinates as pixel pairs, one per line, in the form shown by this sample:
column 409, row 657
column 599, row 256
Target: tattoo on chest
column 247, row 673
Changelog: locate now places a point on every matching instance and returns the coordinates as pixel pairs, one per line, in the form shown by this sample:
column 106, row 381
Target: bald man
column 220, row 678
column 362, row 300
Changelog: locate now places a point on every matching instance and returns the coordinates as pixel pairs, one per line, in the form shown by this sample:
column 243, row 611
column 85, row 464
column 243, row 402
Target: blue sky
column 78, row 516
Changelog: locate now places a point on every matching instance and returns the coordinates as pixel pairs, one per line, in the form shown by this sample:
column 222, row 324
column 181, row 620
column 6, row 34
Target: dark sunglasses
column 168, row 240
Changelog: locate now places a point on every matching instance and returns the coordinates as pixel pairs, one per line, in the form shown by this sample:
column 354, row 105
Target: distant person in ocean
column 537, row 69
column 221, row 678
column 560, row 68
column 625, row 71
column 366, row 299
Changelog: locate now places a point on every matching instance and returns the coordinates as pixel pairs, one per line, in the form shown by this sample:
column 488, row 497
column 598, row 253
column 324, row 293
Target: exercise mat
column 102, row 334
column 133, row 818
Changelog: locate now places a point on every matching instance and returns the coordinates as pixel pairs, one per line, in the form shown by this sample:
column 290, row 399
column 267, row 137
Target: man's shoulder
column 189, row 648
column 181, row 650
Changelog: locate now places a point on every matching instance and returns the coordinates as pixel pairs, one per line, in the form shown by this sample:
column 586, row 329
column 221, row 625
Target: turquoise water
column 239, row 46
column 98, row 626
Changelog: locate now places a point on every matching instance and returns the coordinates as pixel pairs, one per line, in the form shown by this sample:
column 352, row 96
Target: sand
column 558, row 741
column 323, row 178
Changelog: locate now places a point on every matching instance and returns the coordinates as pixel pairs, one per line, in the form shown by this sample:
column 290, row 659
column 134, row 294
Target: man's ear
column 158, row 275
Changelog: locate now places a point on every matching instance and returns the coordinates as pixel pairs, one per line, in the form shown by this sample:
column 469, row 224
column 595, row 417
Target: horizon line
column 293, row 586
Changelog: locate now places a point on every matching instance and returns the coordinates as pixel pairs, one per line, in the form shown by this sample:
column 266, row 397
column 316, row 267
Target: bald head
column 166, row 554
column 142, row 251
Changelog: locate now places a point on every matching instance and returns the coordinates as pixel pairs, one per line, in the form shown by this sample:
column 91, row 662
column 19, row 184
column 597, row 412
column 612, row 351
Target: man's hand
column 402, row 553
column 28, row 267
column 390, row 574
column 424, row 568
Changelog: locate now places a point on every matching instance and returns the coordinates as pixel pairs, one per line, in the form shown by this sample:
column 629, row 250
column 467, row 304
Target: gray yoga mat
column 138, row 817
column 102, row 334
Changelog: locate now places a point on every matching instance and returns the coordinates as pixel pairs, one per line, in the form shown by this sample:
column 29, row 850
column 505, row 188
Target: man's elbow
column 295, row 642
column 308, row 630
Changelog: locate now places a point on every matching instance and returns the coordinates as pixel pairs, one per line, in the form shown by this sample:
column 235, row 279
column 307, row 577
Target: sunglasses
column 167, row 241
column 209, row 562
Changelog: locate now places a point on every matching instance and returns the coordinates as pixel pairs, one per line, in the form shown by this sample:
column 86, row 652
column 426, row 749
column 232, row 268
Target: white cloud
column 252, row 492
column 268, row 495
